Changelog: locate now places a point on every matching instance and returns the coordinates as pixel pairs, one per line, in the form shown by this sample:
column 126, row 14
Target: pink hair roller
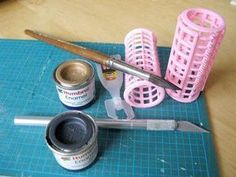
column 141, row 51
column 198, row 35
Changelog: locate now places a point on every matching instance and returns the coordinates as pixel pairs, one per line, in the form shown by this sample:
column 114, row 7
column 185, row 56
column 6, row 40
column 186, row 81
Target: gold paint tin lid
column 74, row 73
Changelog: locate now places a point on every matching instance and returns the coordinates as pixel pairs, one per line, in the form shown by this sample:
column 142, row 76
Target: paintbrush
column 103, row 59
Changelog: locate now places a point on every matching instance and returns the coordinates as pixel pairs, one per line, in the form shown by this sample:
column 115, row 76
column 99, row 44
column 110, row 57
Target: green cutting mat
column 27, row 88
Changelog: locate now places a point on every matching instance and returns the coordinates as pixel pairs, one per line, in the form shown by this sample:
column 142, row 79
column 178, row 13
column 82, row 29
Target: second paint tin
column 72, row 137
column 75, row 83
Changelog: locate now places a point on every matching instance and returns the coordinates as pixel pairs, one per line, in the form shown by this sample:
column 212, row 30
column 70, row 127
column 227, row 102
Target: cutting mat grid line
column 27, row 88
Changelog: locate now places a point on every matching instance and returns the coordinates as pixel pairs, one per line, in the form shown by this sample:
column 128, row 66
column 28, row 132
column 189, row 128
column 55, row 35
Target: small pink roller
column 198, row 35
column 141, row 52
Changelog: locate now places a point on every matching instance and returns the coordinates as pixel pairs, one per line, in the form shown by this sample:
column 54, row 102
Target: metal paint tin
column 75, row 83
column 72, row 137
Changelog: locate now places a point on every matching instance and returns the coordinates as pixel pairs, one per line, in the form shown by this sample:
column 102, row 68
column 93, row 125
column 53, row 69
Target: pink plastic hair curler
column 198, row 35
column 141, row 51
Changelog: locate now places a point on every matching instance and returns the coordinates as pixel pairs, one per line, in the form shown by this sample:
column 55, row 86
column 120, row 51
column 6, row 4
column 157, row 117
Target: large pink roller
column 198, row 35
column 141, row 51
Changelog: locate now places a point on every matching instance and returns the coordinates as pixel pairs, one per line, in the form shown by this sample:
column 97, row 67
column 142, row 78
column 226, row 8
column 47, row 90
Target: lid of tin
column 73, row 73
column 70, row 131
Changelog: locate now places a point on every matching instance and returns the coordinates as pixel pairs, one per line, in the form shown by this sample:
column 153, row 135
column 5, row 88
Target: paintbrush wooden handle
column 82, row 51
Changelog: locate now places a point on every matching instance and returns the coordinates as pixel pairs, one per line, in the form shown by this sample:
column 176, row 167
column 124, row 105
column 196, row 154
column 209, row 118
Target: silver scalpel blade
column 186, row 126
column 173, row 125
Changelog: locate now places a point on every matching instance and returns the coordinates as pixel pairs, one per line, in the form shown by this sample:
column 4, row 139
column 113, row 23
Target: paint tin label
column 77, row 161
column 77, row 97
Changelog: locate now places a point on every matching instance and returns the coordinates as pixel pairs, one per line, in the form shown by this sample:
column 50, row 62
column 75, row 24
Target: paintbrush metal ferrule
column 129, row 69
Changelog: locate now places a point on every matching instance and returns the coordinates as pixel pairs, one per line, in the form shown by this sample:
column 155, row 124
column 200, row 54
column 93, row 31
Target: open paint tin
column 72, row 137
column 75, row 83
